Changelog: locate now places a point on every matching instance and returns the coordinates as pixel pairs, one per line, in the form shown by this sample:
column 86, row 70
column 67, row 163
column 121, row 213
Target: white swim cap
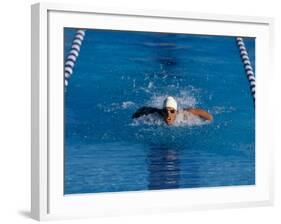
column 170, row 102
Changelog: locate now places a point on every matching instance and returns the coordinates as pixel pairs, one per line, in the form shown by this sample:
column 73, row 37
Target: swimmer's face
column 170, row 115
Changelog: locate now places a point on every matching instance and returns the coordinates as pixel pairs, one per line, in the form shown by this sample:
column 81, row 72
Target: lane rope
column 73, row 54
column 247, row 65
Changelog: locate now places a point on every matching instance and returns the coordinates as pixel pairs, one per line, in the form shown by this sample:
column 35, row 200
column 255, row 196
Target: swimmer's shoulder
column 199, row 112
column 146, row 110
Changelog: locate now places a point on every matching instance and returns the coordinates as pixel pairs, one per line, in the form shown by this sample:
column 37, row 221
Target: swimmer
column 170, row 111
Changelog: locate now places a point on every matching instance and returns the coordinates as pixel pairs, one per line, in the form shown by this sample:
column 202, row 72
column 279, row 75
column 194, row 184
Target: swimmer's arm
column 201, row 113
column 145, row 111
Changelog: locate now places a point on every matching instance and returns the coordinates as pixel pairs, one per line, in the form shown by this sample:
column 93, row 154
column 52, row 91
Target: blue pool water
column 118, row 72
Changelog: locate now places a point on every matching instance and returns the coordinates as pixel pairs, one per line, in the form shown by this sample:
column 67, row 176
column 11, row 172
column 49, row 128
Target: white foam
column 222, row 109
column 182, row 119
column 151, row 119
column 188, row 119
column 184, row 99
column 116, row 106
column 150, row 85
column 128, row 104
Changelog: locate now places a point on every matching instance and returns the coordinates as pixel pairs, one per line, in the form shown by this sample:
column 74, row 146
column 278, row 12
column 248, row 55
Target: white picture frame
column 48, row 201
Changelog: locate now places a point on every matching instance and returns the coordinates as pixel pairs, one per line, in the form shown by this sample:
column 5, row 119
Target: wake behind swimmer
column 170, row 111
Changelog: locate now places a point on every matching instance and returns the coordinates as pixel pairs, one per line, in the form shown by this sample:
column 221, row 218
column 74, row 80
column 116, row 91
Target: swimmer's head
column 170, row 102
column 170, row 110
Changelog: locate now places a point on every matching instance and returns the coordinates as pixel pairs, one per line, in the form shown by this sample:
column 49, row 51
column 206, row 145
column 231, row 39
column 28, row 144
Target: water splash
column 127, row 104
column 188, row 119
column 150, row 120
column 185, row 99
column 221, row 109
column 150, row 85
column 116, row 106
column 182, row 119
